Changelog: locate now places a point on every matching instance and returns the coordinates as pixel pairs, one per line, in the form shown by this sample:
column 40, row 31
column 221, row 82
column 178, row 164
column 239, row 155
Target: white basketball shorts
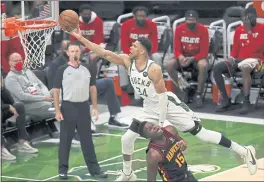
column 178, row 114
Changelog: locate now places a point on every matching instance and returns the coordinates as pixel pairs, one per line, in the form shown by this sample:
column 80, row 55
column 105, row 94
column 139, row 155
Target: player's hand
column 59, row 116
column 95, row 114
column 76, row 33
column 13, row 110
column 183, row 145
column 182, row 60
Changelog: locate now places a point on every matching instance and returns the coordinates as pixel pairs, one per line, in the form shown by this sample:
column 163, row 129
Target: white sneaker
column 124, row 177
column 6, row 155
column 25, row 147
column 251, row 160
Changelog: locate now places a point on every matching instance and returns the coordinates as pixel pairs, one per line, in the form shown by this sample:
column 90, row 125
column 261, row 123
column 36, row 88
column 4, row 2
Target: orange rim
column 12, row 25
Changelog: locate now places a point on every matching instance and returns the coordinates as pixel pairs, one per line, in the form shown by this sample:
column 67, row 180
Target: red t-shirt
column 130, row 33
column 191, row 43
column 93, row 31
column 249, row 45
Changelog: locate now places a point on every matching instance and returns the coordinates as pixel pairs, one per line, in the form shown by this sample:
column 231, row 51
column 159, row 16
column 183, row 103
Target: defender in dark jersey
column 164, row 153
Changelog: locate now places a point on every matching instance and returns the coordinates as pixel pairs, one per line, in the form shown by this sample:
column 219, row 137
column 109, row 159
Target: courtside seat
column 165, row 40
column 233, row 14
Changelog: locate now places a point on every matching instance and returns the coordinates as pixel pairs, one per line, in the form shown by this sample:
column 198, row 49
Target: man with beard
column 247, row 54
column 191, row 45
column 91, row 27
column 140, row 26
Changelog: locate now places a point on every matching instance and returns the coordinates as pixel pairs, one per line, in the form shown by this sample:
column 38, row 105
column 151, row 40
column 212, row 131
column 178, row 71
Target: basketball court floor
column 208, row 162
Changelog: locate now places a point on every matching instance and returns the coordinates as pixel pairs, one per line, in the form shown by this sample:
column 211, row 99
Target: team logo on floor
column 203, row 168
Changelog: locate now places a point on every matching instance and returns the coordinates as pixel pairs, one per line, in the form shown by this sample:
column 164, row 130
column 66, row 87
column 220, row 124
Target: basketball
column 68, row 20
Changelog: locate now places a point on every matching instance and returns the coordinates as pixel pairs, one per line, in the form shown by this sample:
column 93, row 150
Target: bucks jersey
column 141, row 83
column 173, row 167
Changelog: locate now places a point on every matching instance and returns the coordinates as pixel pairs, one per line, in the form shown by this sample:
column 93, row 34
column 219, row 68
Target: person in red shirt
column 248, row 47
column 191, row 46
column 9, row 44
column 140, row 26
column 91, row 27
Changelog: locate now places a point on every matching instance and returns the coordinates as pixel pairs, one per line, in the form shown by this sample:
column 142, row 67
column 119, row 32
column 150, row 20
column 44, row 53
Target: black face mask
column 191, row 26
column 86, row 19
column 140, row 23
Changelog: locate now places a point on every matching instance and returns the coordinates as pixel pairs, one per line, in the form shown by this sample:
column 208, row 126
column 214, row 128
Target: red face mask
column 19, row 66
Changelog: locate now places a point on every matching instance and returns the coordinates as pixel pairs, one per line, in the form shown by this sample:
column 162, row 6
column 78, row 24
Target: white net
column 34, row 42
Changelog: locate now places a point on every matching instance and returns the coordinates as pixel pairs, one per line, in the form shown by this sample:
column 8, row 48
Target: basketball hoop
column 34, row 36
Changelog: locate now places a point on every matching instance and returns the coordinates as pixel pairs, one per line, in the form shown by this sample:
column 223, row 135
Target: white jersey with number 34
column 141, row 83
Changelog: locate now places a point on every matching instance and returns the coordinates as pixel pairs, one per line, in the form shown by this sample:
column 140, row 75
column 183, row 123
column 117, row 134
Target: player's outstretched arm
column 101, row 52
column 155, row 74
column 153, row 159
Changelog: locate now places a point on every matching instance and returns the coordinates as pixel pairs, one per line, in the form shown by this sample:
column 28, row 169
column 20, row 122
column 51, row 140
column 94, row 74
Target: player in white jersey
column 147, row 80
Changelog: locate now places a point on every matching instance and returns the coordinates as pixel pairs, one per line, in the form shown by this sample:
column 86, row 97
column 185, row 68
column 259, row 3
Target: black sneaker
column 245, row 107
column 223, row 105
column 102, row 174
column 63, row 176
column 114, row 123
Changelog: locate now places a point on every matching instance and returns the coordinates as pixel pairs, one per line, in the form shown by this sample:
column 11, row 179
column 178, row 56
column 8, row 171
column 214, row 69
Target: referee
column 75, row 80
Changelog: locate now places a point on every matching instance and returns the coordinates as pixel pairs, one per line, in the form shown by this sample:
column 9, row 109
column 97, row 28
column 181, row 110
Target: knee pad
column 127, row 141
column 196, row 129
column 134, row 125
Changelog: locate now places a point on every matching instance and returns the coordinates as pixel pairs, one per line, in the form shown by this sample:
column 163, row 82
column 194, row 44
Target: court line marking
column 106, row 160
column 126, row 111
column 27, row 179
column 221, row 173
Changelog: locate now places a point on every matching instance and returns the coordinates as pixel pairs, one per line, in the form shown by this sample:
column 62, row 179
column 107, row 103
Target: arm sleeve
column 4, row 106
column 99, row 33
column 177, row 43
column 154, row 38
column 58, row 78
column 125, row 38
column 204, row 45
column 236, row 44
column 15, row 88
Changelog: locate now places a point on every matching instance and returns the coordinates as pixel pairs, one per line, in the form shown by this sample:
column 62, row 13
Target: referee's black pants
column 76, row 115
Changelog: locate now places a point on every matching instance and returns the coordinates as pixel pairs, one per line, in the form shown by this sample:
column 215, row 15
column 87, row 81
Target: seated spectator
column 25, row 87
column 59, row 61
column 91, row 27
column 9, row 109
column 140, row 26
column 248, row 43
column 105, row 86
column 191, row 46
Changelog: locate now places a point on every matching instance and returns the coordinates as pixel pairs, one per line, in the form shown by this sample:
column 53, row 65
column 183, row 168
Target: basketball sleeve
column 59, row 77
column 125, row 38
column 154, row 37
column 204, row 45
column 236, row 44
column 177, row 43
